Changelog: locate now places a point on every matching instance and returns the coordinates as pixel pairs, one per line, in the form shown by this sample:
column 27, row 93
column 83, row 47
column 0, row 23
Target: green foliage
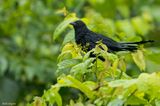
column 27, row 53
column 70, row 18
column 104, row 85
column 26, row 30
column 32, row 32
column 108, row 86
column 139, row 59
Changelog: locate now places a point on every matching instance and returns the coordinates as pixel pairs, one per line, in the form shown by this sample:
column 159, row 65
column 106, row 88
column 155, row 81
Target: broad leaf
column 149, row 84
column 69, row 81
column 63, row 25
column 122, row 83
column 122, row 64
column 52, row 96
column 116, row 102
column 134, row 100
column 64, row 66
column 138, row 58
column 69, row 37
column 71, row 50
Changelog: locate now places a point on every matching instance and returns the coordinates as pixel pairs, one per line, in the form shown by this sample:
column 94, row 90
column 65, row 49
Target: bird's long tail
column 141, row 42
column 132, row 46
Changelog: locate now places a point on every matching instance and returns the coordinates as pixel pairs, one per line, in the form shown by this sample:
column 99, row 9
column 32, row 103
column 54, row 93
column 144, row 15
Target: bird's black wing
column 111, row 44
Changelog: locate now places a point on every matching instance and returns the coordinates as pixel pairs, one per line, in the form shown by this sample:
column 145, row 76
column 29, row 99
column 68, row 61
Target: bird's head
column 78, row 25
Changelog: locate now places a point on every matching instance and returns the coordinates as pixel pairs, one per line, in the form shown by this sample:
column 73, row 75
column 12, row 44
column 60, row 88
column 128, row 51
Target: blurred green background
column 28, row 53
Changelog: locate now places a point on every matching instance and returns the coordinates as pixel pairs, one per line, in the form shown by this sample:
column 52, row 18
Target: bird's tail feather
column 129, row 47
column 132, row 46
column 141, row 42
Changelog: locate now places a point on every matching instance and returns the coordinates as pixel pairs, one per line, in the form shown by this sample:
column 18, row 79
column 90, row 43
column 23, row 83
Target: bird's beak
column 72, row 23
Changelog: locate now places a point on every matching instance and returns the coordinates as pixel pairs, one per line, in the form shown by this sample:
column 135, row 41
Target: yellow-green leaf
column 63, row 25
column 150, row 84
column 122, row 64
column 72, row 49
column 138, row 58
column 69, row 81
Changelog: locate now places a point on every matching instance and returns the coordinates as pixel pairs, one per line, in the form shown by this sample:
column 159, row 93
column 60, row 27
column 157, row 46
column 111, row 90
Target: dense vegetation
column 39, row 56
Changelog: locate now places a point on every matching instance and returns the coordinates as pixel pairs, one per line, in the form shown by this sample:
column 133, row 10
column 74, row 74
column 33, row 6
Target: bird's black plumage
column 88, row 39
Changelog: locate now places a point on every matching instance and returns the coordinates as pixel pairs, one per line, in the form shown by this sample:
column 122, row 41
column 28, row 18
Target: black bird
column 88, row 40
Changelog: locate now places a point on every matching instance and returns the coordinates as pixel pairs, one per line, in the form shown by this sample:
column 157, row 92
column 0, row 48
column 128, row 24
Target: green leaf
column 86, row 56
column 122, row 83
column 82, row 67
column 57, row 97
column 69, row 81
column 134, row 100
column 122, row 64
column 98, row 102
column 70, row 50
column 149, row 84
column 115, row 65
column 52, row 96
column 64, row 56
column 116, row 102
column 66, row 65
column 63, row 25
column 112, row 57
column 69, row 37
column 138, row 58
column 90, row 84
